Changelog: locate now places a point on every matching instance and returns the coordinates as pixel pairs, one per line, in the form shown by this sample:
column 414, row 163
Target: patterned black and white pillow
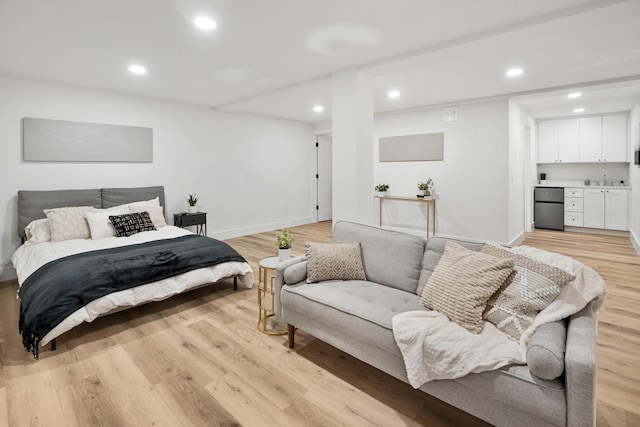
column 132, row 223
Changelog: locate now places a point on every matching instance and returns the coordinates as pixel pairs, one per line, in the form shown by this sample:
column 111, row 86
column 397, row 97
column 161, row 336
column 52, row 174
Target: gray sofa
column 355, row 316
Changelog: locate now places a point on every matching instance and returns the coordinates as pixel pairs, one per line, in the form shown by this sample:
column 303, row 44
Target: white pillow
column 99, row 223
column 38, row 231
column 156, row 213
column 68, row 223
column 153, row 202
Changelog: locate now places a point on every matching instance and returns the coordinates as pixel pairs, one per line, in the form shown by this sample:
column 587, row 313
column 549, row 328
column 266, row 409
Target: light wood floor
column 197, row 359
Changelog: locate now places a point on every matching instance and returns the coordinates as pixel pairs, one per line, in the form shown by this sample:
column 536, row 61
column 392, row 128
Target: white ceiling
column 276, row 57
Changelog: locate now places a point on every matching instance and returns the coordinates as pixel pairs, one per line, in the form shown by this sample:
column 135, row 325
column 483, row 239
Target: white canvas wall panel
column 47, row 140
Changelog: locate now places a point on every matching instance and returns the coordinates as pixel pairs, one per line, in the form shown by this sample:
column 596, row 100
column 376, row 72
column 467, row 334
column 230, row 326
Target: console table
column 431, row 209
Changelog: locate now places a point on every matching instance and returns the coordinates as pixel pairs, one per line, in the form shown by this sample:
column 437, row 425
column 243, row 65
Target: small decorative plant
column 543, row 176
column 192, row 199
column 284, row 239
column 425, row 186
column 381, row 188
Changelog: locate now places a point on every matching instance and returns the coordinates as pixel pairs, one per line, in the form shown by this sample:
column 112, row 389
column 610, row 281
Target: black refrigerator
column 548, row 208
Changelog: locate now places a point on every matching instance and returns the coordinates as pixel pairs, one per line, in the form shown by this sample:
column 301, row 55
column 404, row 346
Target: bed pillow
column 99, row 223
column 333, row 261
column 68, row 223
column 152, row 202
column 156, row 213
column 38, row 231
column 462, row 283
column 527, row 292
column 132, row 223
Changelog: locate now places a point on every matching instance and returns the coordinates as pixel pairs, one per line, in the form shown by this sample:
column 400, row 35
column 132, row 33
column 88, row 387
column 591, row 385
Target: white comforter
column 28, row 258
column 434, row 348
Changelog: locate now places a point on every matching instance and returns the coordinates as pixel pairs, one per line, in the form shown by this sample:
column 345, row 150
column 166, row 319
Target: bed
column 65, row 283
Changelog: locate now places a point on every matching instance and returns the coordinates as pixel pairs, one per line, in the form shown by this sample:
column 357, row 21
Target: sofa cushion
column 527, row 292
column 432, row 254
column 462, row 283
column 361, row 308
column 389, row 258
column 545, row 350
column 333, row 261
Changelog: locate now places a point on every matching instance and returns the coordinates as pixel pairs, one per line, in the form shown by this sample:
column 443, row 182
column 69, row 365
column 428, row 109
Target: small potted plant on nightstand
column 425, row 187
column 193, row 201
column 382, row 189
column 284, row 240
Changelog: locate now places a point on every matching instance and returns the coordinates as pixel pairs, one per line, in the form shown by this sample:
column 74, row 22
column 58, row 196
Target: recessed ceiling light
column 574, row 95
column 137, row 69
column 318, row 108
column 578, row 110
column 514, row 72
column 394, row 94
column 204, row 23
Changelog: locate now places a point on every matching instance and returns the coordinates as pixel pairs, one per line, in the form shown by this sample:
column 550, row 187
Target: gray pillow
column 545, row 351
column 296, row 273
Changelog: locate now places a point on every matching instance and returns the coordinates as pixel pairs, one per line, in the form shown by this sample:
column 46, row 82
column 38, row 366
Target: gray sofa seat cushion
column 364, row 311
column 361, row 308
column 545, row 350
column 389, row 258
column 433, row 253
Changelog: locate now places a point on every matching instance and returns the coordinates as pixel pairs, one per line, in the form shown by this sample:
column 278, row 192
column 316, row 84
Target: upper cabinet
column 614, row 138
column 558, row 141
column 584, row 140
column 591, row 139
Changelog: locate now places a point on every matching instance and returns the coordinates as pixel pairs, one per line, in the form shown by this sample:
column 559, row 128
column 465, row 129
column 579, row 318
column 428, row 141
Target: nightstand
column 197, row 219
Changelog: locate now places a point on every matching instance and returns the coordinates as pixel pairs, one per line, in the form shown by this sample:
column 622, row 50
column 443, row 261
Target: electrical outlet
column 286, row 207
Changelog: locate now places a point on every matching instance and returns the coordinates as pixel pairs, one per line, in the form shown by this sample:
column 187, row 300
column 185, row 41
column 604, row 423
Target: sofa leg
column 291, row 330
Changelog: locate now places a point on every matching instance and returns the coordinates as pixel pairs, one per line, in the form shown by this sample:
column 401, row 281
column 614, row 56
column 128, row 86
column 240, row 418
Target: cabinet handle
column 604, row 160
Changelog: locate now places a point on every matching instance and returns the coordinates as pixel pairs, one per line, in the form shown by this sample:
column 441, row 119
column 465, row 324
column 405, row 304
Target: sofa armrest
column 580, row 368
column 279, row 280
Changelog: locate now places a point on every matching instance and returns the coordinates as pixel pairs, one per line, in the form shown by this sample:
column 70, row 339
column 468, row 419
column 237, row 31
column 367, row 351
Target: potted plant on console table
column 382, row 189
column 424, row 188
column 284, row 240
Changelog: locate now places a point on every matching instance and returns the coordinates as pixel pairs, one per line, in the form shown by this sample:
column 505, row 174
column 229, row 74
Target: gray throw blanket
column 60, row 287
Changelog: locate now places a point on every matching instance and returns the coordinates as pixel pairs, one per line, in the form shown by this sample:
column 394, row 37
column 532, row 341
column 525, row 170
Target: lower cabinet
column 616, row 209
column 606, row 209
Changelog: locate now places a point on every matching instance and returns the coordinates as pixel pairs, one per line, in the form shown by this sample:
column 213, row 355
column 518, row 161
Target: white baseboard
column 229, row 234
column 635, row 242
column 517, row 241
column 7, row 273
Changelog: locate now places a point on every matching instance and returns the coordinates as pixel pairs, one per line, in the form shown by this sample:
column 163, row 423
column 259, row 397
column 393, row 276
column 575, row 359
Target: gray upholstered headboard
column 31, row 204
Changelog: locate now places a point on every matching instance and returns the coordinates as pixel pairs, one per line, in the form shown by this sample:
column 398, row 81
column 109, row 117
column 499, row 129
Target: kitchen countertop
column 579, row 184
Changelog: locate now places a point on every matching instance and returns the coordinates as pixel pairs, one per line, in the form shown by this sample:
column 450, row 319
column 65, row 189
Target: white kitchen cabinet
column 569, row 140
column 606, row 208
column 548, row 141
column 559, row 141
column 616, row 213
column 591, row 139
column 614, row 138
column 593, row 208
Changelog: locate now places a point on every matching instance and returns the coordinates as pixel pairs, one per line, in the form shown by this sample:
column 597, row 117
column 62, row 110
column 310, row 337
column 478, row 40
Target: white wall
column 518, row 188
column 634, row 176
column 471, row 183
column 252, row 173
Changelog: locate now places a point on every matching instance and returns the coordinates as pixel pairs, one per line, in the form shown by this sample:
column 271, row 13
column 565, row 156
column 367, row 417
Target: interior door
column 324, row 172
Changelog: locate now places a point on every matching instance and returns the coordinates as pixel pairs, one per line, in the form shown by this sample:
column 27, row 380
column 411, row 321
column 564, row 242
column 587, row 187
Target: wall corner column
column 352, row 146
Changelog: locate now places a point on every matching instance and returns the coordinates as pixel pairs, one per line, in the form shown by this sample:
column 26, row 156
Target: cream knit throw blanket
column 434, row 348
